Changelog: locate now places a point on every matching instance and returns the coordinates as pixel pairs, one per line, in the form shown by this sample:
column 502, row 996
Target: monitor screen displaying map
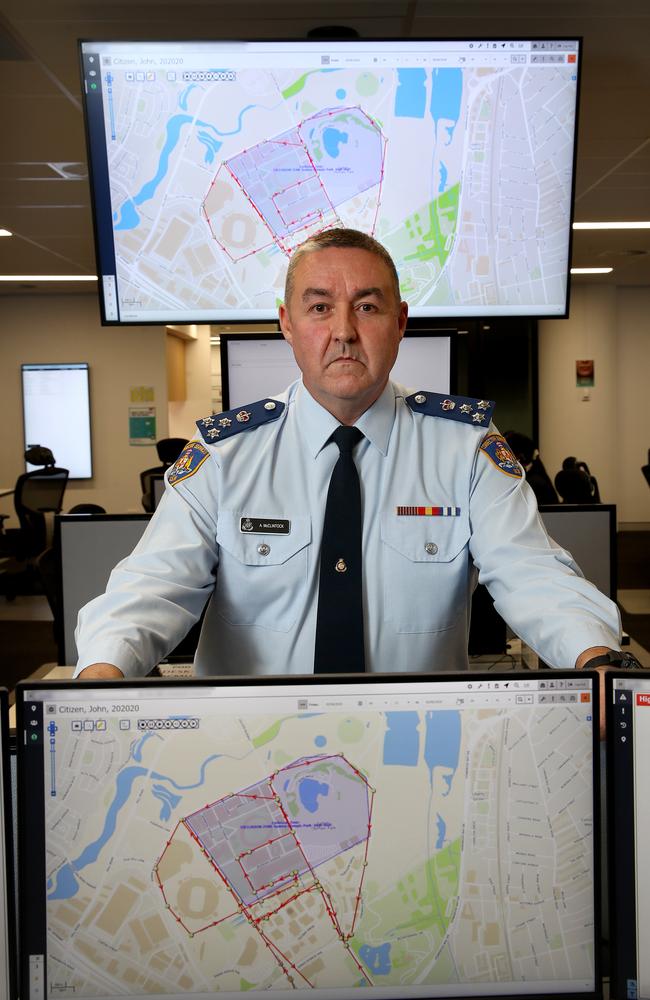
column 628, row 747
column 427, row 837
column 211, row 161
column 258, row 365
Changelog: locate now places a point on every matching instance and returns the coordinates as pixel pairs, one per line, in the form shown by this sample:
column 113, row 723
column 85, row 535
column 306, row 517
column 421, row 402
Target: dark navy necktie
column 339, row 623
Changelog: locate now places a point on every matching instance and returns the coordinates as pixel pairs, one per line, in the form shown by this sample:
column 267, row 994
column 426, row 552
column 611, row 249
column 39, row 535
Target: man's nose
column 344, row 325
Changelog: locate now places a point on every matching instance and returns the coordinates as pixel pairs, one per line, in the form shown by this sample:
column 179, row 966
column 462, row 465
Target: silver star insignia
column 208, row 421
column 465, row 408
column 478, row 417
column 225, row 422
column 483, row 404
column 213, row 432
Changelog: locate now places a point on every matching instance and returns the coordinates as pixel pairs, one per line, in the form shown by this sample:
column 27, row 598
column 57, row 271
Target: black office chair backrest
column 168, row 451
column 37, row 498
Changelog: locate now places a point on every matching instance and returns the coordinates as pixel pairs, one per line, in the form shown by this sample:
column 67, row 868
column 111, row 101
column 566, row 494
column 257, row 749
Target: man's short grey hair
column 349, row 239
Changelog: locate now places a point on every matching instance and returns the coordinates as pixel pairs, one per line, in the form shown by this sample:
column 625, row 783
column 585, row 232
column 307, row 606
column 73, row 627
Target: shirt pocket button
column 430, row 548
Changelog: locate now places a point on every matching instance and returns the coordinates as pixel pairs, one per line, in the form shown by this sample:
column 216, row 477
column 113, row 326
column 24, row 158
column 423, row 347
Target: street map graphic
column 216, row 176
column 318, row 850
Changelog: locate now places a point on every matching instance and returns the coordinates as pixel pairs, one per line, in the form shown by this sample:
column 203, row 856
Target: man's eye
column 367, row 307
column 319, row 307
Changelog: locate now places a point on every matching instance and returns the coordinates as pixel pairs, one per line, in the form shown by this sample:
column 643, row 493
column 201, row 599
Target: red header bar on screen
column 643, row 699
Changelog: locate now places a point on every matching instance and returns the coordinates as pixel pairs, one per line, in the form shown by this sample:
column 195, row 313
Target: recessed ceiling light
column 591, row 270
column 5, row 232
column 48, row 277
column 611, row 225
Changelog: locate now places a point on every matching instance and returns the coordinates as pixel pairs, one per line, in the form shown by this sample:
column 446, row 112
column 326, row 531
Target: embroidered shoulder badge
column 498, row 451
column 188, row 462
column 220, row 426
column 462, row 408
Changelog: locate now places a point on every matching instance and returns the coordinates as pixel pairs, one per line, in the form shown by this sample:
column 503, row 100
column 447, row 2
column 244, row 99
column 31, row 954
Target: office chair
column 575, row 484
column 168, row 451
column 38, row 496
column 645, row 469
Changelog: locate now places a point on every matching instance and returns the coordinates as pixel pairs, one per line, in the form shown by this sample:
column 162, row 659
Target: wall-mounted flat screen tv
column 211, row 161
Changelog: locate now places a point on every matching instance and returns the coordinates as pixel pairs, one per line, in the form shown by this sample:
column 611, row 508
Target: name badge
column 264, row 526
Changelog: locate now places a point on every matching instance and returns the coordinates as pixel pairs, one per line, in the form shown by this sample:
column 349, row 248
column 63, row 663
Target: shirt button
column 263, row 549
column 420, row 398
column 430, row 548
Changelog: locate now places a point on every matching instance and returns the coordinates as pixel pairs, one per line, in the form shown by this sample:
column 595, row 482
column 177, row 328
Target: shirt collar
column 317, row 423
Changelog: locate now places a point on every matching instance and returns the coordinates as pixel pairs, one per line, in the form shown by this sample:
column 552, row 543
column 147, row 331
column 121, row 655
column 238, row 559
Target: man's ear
column 403, row 317
column 285, row 323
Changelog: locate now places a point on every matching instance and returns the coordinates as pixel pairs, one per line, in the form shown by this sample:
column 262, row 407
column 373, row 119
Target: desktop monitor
column 391, row 836
column 7, row 898
column 257, row 365
column 628, row 807
column 210, row 161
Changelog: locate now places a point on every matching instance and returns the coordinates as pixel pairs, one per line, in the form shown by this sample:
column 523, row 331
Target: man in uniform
column 442, row 497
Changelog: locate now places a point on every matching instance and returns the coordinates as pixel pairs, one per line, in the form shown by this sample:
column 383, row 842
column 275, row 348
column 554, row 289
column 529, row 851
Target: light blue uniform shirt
column 419, row 571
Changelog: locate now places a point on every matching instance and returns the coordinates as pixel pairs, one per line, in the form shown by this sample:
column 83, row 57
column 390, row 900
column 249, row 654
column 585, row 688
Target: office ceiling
column 44, row 195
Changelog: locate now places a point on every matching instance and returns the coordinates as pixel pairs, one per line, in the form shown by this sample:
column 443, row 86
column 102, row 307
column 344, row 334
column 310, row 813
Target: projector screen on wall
column 56, row 414
column 211, row 161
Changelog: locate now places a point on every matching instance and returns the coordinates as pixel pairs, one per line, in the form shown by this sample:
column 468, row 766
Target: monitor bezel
column 99, row 166
column 621, row 845
column 8, row 833
column 337, row 680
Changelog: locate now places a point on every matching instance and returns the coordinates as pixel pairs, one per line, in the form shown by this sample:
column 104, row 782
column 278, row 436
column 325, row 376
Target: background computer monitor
column 403, row 836
column 56, row 414
column 210, row 161
column 257, row 365
column 588, row 532
column 7, row 894
column 628, row 807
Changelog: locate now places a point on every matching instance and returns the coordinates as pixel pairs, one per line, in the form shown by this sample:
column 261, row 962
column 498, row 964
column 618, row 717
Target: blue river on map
column 66, row 882
column 376, row 960
column 446, row 94
column 443, row 178
column 128, row 216
column 411, row 93
column 441, row 741
column 442, row 830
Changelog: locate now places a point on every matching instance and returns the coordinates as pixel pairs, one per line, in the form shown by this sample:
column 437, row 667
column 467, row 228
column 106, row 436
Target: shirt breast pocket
column 426, row 571
column 262, row 578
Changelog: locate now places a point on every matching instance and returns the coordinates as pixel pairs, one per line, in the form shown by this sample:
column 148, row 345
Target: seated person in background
column 575, row 484
column 439, row 496
column 536, row 475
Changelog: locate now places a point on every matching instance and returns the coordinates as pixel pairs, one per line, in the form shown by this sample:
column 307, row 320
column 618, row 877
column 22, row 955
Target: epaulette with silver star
column 220, row 426
column 464, row 408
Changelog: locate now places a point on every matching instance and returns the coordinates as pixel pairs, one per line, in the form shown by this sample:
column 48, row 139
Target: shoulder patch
column 224, row 425
column 464, row 408
column 188, row 462
column 500, row 454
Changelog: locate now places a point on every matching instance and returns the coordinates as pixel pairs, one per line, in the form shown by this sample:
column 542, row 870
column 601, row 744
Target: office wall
column 183, row 413
column 67, row 328
column 610, row 430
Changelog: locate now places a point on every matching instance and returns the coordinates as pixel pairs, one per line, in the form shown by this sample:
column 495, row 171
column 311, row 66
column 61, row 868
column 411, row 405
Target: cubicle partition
column 90, row 546
column 588, row 532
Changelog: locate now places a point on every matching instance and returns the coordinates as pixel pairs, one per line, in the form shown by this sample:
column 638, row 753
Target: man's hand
column 580, row 662
column 100, row 672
